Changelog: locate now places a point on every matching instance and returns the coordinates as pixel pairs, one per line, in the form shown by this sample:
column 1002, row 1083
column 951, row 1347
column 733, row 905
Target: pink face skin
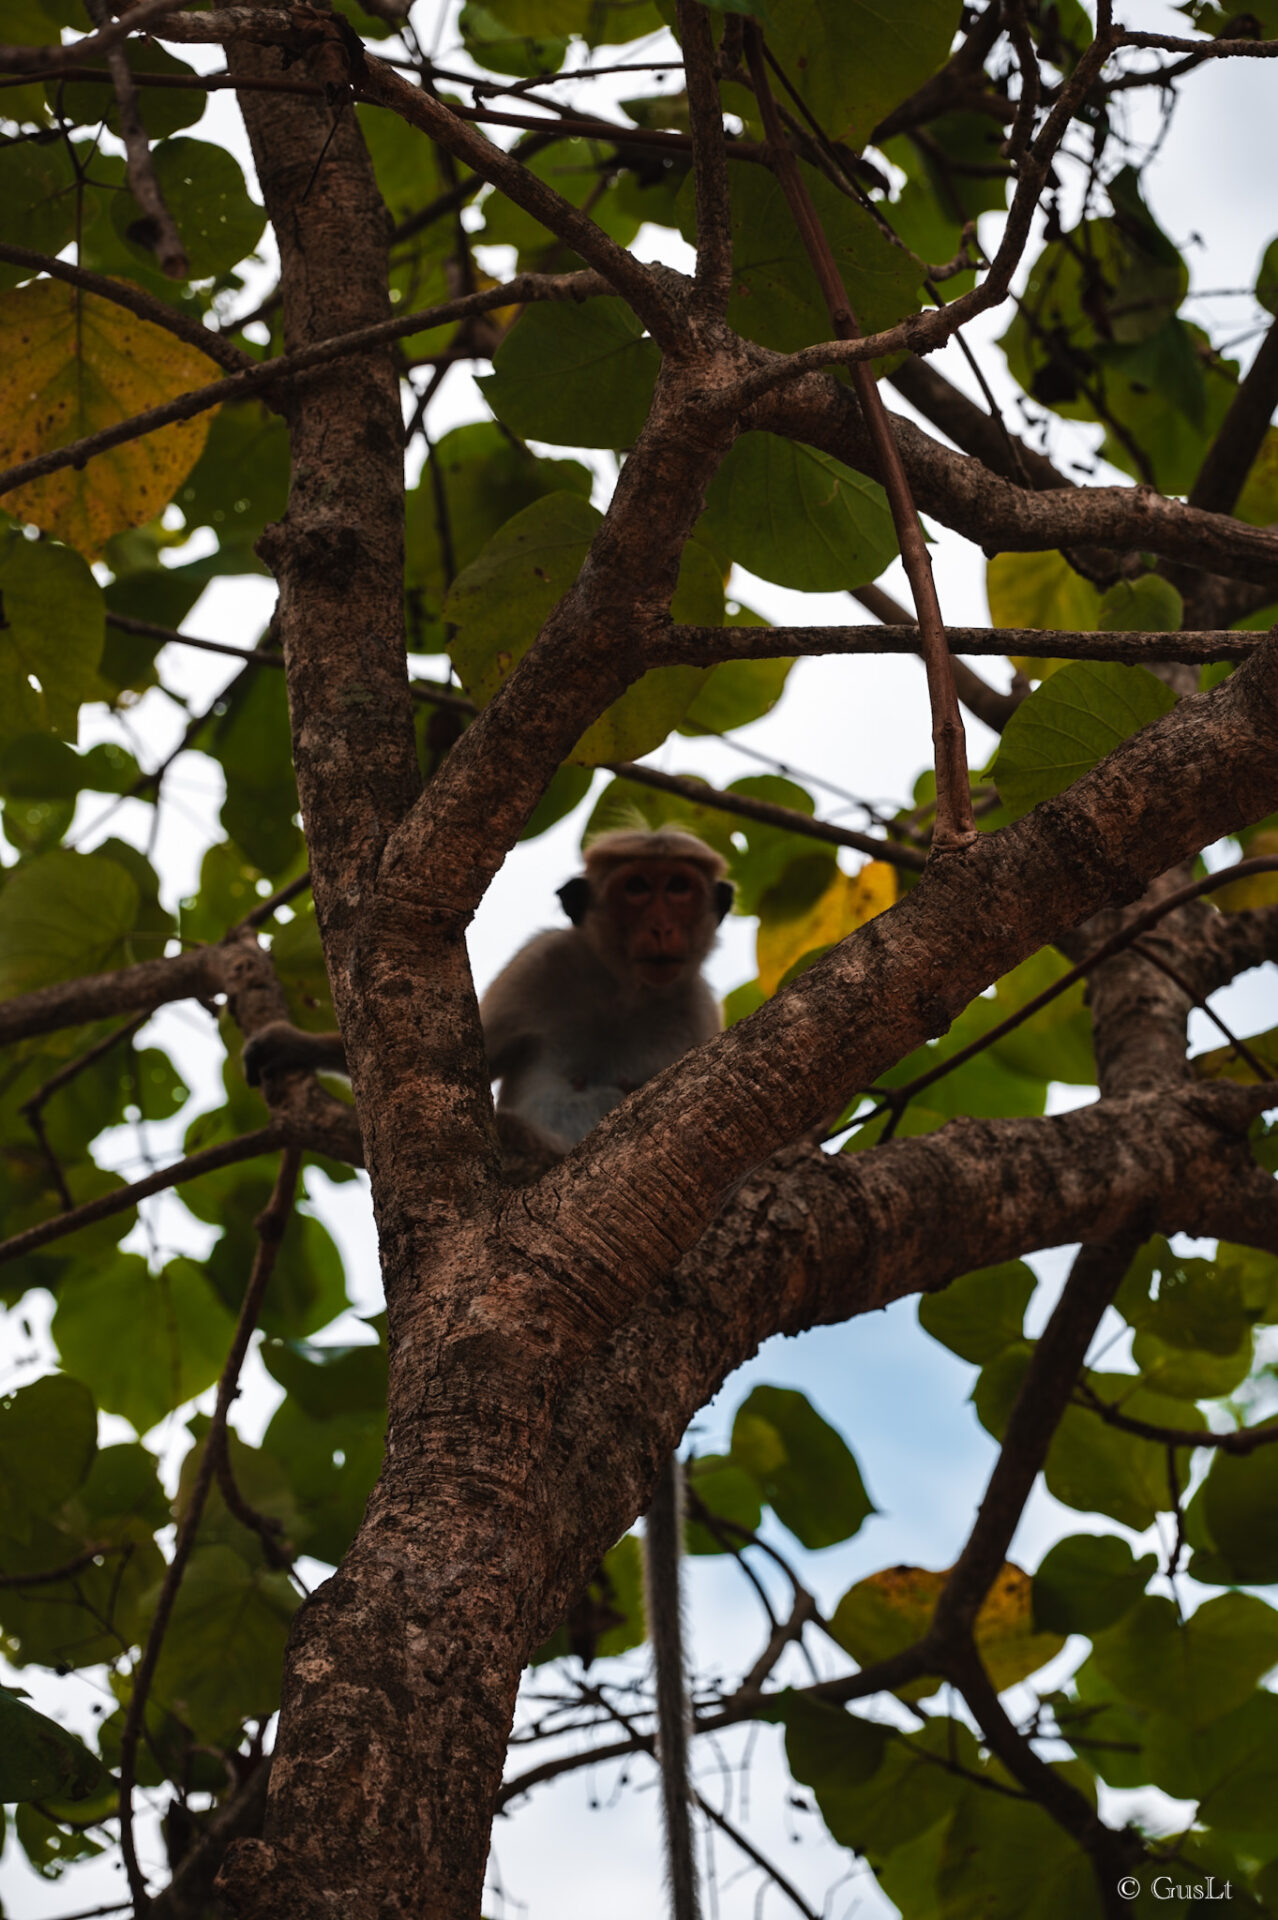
column 658, row 908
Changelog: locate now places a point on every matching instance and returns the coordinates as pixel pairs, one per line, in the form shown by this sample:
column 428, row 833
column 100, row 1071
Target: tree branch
column 288, row 366
column 135, row 299
column 966, row 495
column 139, row 18
column 164, row 239
column 1240, row 435
column 713, row 282
column 955, row 827
column 246, row 1146
column 193, row 975
column 788, row 818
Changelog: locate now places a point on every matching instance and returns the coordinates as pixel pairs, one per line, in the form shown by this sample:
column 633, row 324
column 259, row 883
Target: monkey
column 582, row 1016
column 579, row 1018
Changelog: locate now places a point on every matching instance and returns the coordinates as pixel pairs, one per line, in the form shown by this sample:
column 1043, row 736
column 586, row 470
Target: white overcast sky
column 863, row 725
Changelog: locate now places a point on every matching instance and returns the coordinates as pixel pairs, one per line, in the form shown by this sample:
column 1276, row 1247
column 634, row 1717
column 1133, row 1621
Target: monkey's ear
column 574, row 897
column 724, row 895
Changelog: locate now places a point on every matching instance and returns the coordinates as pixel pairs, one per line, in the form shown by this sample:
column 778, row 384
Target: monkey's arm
column 281, row 1048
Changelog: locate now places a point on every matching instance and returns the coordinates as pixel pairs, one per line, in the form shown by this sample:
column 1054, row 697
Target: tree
column 551, row 1330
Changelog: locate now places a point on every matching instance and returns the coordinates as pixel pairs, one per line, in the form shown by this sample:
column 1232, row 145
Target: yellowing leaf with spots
column 847, row 903
column 78, row 364
column 889, row 1611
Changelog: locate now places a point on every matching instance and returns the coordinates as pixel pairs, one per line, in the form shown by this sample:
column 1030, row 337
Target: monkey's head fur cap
column 666, row 843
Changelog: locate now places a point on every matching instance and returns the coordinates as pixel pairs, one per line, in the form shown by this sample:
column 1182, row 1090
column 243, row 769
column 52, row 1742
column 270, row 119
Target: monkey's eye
column 678, row 883
column 637, row 887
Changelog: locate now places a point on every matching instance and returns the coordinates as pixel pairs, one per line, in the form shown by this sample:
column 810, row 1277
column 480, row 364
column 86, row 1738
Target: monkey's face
column 661, row 917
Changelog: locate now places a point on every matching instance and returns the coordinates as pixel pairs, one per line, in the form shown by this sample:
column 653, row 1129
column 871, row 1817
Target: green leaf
column 329, row 1380
column 1196, row 1670
column 568, row 787
column 1089, row 1581
column 776, row 297
column 1070, row 723
column 1091, row 1465
column 224, row 1651
column 307, row 1287
column 609, row 1618
column 1149, row 604
column 798, row 517
column 1230, row 1765
column 37, row 182
column 980, row 1313
column 145, row 1342
column 490, row 45
column 503, row 599
column 51, row 641
column 239, row 484
column 579, row 376
column 1040, row 590
column 1004, row 1858
column 39, row 1760
column 475, row 481
column 331, row 1466
column 877, row 1789
column 48, row 1437
column 204, row 190
column 253, row 742
column 805, row 1469
column 64, row 914
column 87, row 103
column 1239, row 1501
column 730, row 1492
column 853, row 59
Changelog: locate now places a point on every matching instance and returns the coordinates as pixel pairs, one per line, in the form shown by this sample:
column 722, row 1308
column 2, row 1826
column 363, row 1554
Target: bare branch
column 1238, row 1441
column 164, row 238
column 1241, row 433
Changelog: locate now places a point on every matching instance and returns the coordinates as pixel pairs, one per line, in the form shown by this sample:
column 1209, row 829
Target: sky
column 900, row 1399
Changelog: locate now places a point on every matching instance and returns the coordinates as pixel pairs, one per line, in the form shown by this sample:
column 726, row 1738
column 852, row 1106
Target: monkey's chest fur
column 594, row 1039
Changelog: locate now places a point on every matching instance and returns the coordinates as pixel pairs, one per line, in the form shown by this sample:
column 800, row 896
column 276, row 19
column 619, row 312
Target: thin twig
column 1236, row 1440
column 713, row 283
column 263, row 375
column 270, row 1226
column 955, row 824
column 136, row 300
column 245, row 1147
column 138, row 19
column 1211, row 883
column 164, row 238
column 65, row 1572
column 770, row 814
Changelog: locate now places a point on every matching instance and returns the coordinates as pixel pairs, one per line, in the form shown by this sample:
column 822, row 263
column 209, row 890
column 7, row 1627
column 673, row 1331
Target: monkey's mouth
column 657, row 968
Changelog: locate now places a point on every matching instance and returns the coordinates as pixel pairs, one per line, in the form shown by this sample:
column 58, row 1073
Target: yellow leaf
column 78, row 364
column 1039, row 590
column 1260, row 889
column 890, row 1610
column 1006, row 1640
column 847, row 903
